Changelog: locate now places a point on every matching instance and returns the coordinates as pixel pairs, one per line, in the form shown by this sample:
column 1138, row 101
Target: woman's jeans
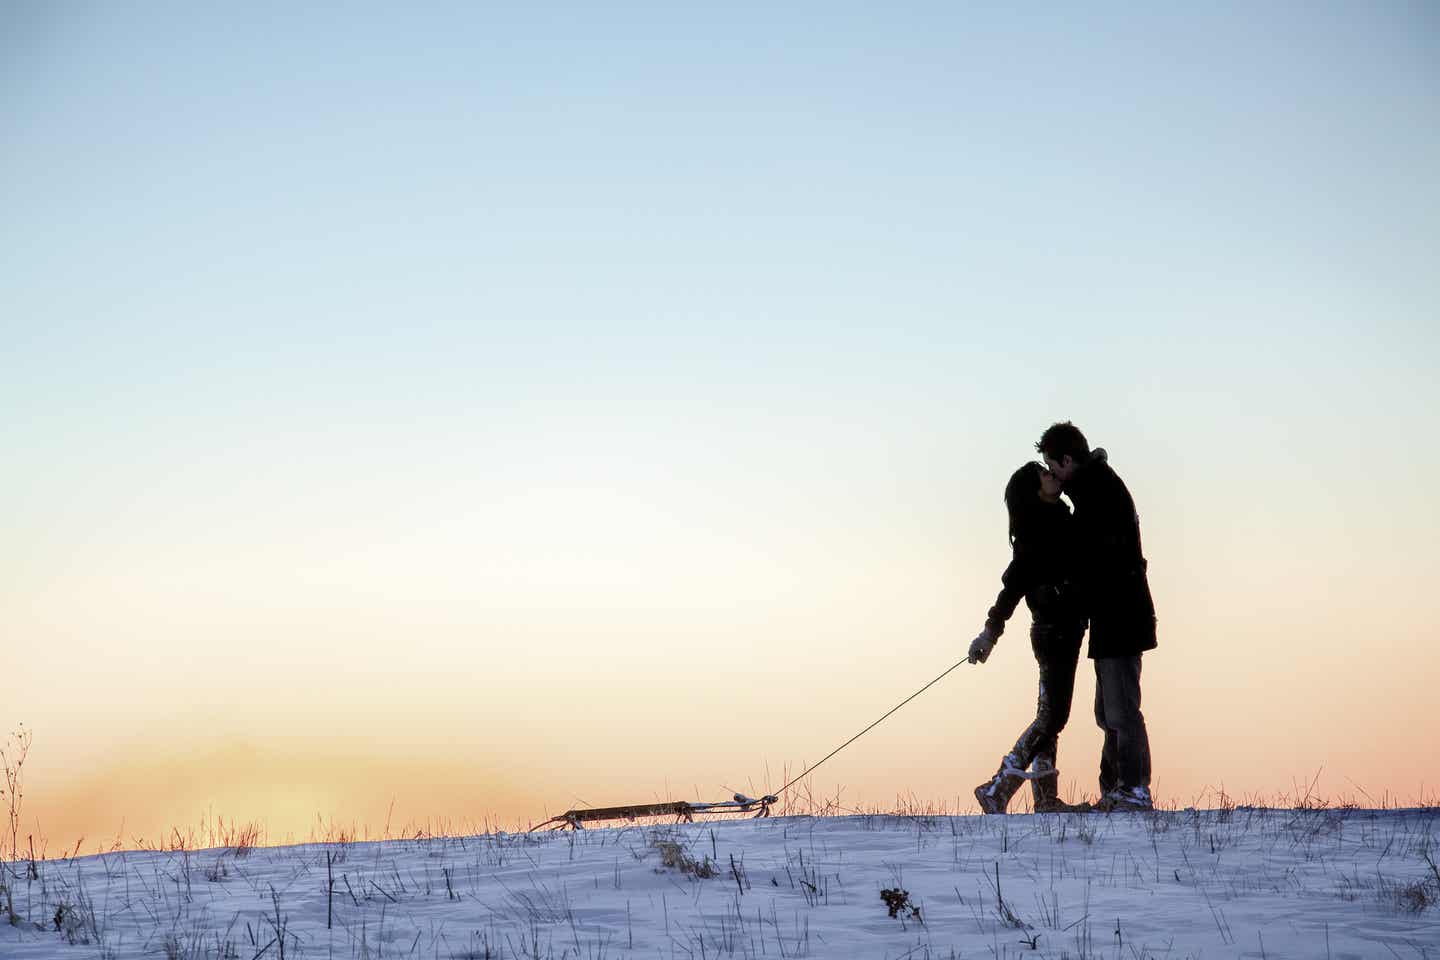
column 1057, row 651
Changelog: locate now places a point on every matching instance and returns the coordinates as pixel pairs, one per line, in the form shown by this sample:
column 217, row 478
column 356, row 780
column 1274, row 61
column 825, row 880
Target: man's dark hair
column 1063, row 439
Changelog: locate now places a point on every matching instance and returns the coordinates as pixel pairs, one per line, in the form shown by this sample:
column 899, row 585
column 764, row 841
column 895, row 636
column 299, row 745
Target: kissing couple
column 1075, row 570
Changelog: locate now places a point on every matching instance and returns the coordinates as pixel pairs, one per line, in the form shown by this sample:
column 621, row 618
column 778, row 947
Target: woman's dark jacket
column 1039, row 571
column 1110, row 565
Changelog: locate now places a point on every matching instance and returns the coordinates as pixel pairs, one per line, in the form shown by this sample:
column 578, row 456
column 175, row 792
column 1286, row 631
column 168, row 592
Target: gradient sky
column 478, row 410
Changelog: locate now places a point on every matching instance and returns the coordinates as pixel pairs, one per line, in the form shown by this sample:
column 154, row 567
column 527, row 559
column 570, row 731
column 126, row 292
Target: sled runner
column 682, row 810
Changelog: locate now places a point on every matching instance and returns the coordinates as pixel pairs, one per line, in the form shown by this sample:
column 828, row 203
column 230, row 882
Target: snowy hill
column 1212, row 883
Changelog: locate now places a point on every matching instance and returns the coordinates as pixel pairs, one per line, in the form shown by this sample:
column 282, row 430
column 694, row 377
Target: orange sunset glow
column 435, row 423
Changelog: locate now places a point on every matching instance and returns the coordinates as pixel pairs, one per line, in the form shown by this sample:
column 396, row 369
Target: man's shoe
column 1126, row 800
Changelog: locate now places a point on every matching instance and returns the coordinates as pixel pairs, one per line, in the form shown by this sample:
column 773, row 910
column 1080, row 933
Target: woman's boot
column 1045, row 787
column 994, row 794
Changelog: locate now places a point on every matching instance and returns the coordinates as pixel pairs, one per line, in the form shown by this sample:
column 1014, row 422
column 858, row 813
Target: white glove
column 981, row 646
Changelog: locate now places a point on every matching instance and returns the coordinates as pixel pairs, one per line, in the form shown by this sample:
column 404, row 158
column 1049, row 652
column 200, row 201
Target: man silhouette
column 1116, row 595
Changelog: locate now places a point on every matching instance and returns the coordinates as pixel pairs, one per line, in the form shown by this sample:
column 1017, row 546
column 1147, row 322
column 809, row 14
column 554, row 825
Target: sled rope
column 869, row 728
column 685, row 811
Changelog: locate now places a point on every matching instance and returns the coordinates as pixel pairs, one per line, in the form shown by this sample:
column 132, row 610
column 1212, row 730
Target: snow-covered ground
column 1211, row 883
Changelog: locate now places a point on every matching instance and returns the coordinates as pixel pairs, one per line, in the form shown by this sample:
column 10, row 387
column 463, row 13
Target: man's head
column 1064, row 448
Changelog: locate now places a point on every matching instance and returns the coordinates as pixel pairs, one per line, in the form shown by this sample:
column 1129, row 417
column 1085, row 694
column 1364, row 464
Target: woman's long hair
column 1022, row 499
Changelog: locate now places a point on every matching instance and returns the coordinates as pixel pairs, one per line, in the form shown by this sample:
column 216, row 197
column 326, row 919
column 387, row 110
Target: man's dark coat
column 1111, row 565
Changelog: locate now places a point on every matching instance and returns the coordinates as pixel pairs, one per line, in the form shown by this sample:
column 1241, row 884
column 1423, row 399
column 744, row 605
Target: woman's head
column 1029, row 489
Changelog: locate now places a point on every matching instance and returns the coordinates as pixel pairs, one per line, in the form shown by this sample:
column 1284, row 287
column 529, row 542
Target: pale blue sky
column 457, row 308
column 358, row 212
column 464, row 196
